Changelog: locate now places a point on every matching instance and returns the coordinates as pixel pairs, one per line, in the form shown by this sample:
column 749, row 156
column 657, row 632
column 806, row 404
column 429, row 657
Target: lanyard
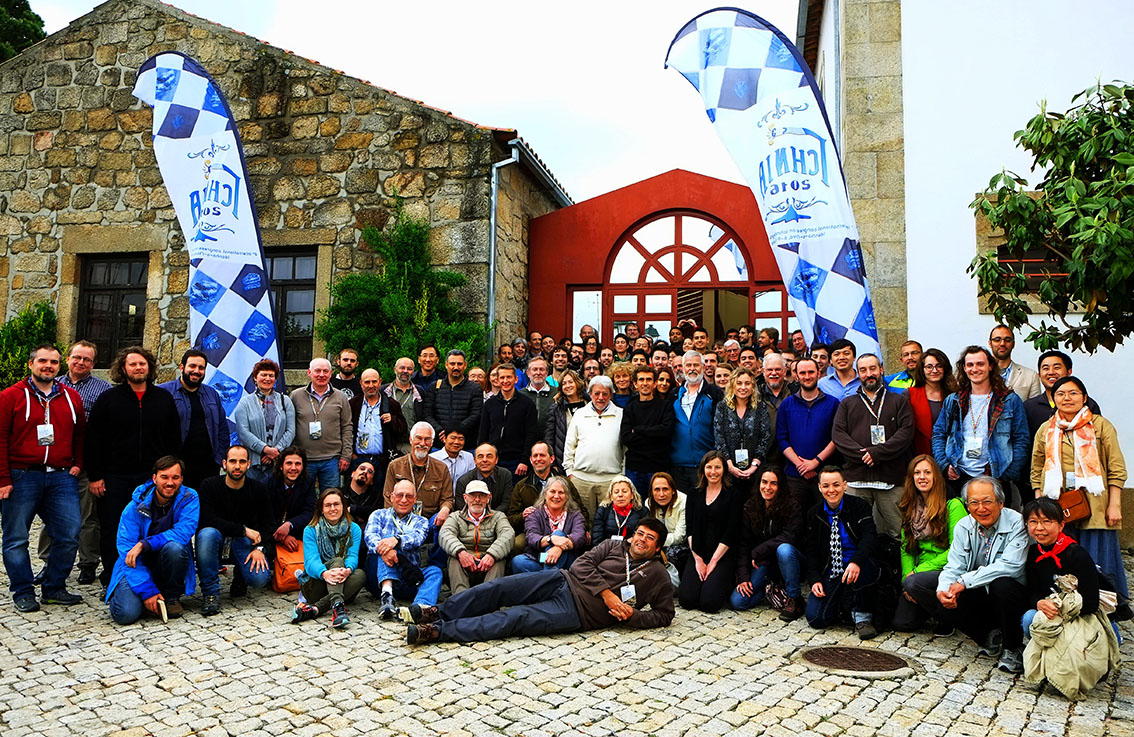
column 413, row 475
column 621, row 522
column 322, row 402
column 400, row 526
column 636, row 568
column 476, row 530
column 975, row 415
column 870, row 409
column 369, row 416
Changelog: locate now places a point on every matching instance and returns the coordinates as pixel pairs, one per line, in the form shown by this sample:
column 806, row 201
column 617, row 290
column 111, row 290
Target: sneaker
column 1012, row 660
column 388, row 609
column 943, row 629
column 417, row 614
column 86, row 575
column 992, row 644
column 174, row 608
column 793, row 610
column 339, row 618
column 62, row 597
column 865, row 630
column 39, row 577
column 27, row 604
column 303, row 612
column 211, row 605
column 419, row 634
column 238, row 588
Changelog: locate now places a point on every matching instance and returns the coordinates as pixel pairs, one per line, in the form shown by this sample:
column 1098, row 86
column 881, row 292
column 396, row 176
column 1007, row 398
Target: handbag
column 1076, row 506
column 777, row 595
column 286, row 565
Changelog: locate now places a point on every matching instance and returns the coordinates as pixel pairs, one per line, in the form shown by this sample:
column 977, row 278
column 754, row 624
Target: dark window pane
column 301, row 300
column 298, row 326
column 137, row 272
column 305, row 267
column 98, row 274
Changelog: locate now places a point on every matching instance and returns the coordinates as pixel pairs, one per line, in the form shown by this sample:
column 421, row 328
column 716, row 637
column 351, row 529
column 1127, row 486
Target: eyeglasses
column 979, row 503
column 933, row 367
column 1001, row 340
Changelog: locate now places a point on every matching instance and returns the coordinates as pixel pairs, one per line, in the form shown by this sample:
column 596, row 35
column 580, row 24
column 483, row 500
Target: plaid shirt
column 88, row 389
column 410, row 530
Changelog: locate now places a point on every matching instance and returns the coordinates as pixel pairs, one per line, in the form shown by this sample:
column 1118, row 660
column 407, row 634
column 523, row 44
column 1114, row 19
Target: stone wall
column 873, row 156
column 325, row 155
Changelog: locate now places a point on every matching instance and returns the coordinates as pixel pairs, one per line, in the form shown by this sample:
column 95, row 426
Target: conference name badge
column 877, row 434
column 45, row 434
column 315, row 429
column 630, row 594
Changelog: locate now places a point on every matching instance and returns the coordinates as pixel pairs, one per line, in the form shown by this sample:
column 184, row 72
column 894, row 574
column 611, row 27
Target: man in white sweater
column 592, row 453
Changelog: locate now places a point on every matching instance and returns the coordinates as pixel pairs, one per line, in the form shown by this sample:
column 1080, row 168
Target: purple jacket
column 538, row 524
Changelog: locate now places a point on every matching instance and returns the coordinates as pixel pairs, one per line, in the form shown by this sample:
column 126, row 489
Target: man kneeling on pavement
column 613, row 582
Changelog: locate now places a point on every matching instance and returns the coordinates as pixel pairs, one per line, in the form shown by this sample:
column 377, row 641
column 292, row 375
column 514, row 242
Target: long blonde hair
column 730, row 390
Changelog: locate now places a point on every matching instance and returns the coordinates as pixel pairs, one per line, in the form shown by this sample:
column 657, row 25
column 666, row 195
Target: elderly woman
column 666, row 503
column 555, row 531
column 1078, row 450
column 933, row 381
column 928, row 519
column 712, row 522
column 622, row 375
column 771, row 535
column 618, row 514
column 330, row 577
column 265, row 421
column 742, row 427
column 592, row 452
column 570, row 399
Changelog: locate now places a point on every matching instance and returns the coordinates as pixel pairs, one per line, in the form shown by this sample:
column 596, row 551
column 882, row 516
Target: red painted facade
column 573, row 248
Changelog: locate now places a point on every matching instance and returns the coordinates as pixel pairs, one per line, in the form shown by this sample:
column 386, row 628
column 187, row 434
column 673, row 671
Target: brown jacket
column 851, row 435
column 604, row 567
column 434, row 490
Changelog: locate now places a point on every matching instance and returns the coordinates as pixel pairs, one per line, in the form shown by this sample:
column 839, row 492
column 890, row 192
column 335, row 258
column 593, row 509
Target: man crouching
column 611, row 583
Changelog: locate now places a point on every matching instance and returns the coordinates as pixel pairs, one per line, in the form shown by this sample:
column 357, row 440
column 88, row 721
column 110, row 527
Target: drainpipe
column 513, row 159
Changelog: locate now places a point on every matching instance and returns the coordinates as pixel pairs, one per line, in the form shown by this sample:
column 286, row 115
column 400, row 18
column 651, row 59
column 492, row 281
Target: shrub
column 33, row 325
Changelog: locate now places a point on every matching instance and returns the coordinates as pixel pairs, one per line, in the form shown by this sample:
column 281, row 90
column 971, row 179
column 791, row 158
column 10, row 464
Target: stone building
column 86, row 223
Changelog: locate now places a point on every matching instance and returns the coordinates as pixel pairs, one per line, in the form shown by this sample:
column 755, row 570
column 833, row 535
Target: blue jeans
column 263, row 474
column 426, row 594
column 55, row 497
column 527, row 564
column 824, row 611
column 168, row 567
column 532, row 604
column 789, row 561
column 326, row 473
column 210, row 541
column 641, row 481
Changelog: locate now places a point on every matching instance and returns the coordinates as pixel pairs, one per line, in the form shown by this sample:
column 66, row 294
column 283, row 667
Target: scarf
column 919, row 520
column 332, row 539
column 1061, row 544
column 1088, row 468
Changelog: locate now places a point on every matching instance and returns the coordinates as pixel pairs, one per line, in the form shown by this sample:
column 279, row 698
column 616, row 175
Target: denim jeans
column 789, row 561
column 527, row 564
column 426, row 594
column 168, row 567
column 55, row 497
column 326, row 473
column 824, row 611
column 531, row 604
column 209, row 544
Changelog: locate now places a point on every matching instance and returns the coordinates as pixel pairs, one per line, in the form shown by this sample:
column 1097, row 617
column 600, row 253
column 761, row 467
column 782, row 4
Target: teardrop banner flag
column 764, row 104
column 202, row 163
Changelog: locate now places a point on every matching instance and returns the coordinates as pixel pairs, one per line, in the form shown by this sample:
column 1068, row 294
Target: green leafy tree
column 20, row 27
column 390, row 313
column 33, row 325
column 1078, row 225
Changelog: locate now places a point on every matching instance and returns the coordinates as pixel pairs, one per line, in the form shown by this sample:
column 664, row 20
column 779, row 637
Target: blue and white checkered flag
column 202, row 163
column 765, row 106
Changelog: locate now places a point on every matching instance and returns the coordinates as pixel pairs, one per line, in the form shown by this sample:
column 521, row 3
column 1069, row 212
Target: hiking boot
column 793, row 610
column 992, row 644
column 417, row 614
column 27, row 604
column 388, row 609
column 211, row 605
column 86, row 575
column 419, row 634
column 1012, row 660
column 339, row 618
column 865, row 630
column 303, row 612
column 238, row 588
column 174, row 608
column 62, row 597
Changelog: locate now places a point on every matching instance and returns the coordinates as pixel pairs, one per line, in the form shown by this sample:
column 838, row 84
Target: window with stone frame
column 292, row 275
column 112, row 302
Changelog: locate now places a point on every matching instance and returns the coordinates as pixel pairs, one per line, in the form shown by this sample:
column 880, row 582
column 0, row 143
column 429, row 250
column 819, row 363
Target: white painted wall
column 973, row 73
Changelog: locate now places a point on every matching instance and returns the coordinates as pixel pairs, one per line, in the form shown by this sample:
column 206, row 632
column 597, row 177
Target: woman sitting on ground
column 712, row 522
column 928, row 520
column 771, row 529
column 555, row 530
column 668, row 504
column 330, row 577
column 619, row 513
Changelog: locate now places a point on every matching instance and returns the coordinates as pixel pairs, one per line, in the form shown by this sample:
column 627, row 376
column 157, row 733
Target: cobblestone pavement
column 67, row 671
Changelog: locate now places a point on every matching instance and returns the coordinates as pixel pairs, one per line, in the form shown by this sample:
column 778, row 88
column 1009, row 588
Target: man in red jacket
column 42, row 426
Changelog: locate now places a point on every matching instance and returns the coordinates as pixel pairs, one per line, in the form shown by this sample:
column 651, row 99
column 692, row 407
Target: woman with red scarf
column 1053, row 554
column 619, row 515
column 1077, row 449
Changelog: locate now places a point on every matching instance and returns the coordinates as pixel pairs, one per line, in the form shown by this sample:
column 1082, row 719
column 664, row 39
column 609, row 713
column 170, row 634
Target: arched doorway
column 686, row 264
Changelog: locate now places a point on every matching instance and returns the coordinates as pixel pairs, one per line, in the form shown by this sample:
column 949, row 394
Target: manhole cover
column 858, row 661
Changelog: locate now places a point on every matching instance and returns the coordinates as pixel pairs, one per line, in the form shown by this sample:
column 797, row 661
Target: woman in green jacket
column 928, row 520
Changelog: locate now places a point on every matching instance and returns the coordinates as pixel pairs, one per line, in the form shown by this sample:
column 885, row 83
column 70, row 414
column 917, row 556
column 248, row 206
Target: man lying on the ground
column 611, row 583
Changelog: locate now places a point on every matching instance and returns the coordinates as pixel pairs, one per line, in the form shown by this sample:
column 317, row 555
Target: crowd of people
column 572, row 485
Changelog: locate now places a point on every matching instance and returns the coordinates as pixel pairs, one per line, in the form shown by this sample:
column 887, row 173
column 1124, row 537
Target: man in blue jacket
column 204, row 427
column 155, row 552
column 693, row 427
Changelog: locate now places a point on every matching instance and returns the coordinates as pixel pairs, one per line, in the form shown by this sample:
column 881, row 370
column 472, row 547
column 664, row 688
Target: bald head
column 371, row 382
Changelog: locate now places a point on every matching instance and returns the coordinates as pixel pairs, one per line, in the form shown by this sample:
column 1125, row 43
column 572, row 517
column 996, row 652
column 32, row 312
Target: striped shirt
column 88, row 388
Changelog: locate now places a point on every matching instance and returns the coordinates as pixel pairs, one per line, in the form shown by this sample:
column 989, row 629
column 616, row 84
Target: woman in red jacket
column 933, row 381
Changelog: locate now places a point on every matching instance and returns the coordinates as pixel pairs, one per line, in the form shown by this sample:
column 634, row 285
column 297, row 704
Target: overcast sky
column 582, row 82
